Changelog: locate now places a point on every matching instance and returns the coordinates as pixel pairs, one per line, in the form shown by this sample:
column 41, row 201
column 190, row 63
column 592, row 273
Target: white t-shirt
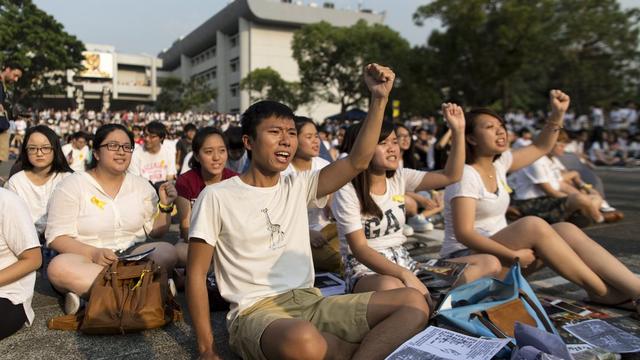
column 526, row 181
column 595, row 148
column 78, row 158
column 36, row 196
column 153, row 167
column 185, row 163
column 80, row 208
column 380, row 233
column 490, row 207
column 317, row 217
column 17, row 234
column 261, row 236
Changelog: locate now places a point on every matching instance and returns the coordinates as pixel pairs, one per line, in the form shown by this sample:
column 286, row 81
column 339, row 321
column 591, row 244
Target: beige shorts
column 344, row 316
column 4, row 145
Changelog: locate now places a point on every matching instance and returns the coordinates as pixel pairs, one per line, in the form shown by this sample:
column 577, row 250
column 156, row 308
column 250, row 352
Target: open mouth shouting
column 283, row 156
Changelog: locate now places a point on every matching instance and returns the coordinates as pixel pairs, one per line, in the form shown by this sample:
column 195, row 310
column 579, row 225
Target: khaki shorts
column 344, row 316
column 4, row 145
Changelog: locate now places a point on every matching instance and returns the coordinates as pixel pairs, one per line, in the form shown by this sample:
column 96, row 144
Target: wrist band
column 167, row 209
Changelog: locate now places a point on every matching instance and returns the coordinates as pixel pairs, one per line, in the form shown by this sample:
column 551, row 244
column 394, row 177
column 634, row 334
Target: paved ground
column 177, row 340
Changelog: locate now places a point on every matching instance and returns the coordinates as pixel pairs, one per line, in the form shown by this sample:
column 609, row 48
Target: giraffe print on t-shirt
column 276, row 241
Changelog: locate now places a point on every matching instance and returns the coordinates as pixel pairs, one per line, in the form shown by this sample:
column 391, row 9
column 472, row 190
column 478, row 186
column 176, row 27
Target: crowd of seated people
column 263, row 205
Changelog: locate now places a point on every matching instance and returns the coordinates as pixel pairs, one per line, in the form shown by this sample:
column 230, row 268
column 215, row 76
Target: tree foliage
column 266, row 83
column 39, row 44
column 330, row 59
column 177, row 96
column 509, row 53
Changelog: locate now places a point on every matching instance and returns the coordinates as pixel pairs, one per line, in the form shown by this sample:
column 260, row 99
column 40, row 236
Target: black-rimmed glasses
column 116, row 147
column 45, row 150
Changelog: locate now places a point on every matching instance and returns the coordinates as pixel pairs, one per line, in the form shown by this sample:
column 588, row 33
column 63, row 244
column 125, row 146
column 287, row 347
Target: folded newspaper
column 329, row 284
column 436, row 343
column 136, row 257
column 601, row 334
column 439, row 276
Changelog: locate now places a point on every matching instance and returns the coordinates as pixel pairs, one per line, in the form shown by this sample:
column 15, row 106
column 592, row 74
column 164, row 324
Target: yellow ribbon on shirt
column 97, row 202
column 398, row 198
column 506, row 186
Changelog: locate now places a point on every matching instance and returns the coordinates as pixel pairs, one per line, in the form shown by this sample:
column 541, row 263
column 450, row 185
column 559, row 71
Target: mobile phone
column 570, row 307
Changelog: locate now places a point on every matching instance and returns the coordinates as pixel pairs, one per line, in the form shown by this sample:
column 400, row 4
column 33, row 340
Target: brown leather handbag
column 126, row 297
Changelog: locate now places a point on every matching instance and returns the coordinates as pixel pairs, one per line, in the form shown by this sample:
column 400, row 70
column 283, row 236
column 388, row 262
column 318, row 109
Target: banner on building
column 97, row 65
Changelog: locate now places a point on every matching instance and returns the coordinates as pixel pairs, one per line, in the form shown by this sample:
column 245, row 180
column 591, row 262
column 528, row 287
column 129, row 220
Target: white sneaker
column 419, row 223
column 407, row 230
column 71, row 303
column 172, row 288
column 605, row 207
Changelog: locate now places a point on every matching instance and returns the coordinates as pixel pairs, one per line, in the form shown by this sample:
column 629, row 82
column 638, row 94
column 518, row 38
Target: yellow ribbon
column 139, row 283
column 97, row 202
column 398, row 198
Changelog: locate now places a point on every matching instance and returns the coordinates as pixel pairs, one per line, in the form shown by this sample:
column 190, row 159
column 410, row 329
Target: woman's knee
column 489, row 265
column 533, row 225
column 64, row 273
column 165, row 254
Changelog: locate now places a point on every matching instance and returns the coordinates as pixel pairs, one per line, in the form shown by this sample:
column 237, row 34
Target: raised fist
column 167, row 193
column 559, row 102
column 454, row 116
column 379, row 80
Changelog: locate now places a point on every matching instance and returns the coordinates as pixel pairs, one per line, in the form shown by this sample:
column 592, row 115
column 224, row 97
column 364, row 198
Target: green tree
column 39, row 44
column 330, row 59
column 508, row 53
column 266, row 83
column 176, row 96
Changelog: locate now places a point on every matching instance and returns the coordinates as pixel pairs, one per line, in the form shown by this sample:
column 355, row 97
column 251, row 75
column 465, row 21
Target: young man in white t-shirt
column 77, row 151
column 257, row 223
column 153, row 161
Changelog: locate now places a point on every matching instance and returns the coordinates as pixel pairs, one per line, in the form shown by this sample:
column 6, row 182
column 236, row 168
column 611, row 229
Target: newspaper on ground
column 436, row 343
column 604, row 335
column 329, row 284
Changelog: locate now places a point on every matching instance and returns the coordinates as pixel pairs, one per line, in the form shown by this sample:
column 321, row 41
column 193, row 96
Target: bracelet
column 556, row 127
column 167, row 209
column 586, row 186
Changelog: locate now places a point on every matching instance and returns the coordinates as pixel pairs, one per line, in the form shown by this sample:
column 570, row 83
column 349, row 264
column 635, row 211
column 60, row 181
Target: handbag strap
column 541, row 316
column 117, row 293
column 484, row 319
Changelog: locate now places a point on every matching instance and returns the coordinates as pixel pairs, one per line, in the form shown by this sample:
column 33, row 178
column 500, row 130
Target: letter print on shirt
column 277, row 235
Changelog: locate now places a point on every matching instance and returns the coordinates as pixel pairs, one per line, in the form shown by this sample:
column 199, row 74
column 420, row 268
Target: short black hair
column 12, row 64
column 156, row 128
column 234, row 137
column 198, row 141
column 470, row 123
column 261, row 110
column 101, row 134
column 59, row 164
column 189, row 127
column 80, row 134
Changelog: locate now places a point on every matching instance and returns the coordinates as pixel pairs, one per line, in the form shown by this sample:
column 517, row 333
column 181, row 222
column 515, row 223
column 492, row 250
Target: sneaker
column 71, row 303
column 605, row 207
column 419, row 223
column 407, row 230
column 172, row 288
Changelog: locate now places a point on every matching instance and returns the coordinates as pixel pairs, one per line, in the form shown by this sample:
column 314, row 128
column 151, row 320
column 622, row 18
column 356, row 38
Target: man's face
column 11, row 75
column 190, row 134
column 274, row 146
column 152, row 142
column 79, row 143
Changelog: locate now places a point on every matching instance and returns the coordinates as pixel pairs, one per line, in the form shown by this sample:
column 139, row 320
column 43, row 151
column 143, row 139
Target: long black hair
column 362, row 181
column 409, row 155
column 59, row 164
column 198, row 141
column 101, row 134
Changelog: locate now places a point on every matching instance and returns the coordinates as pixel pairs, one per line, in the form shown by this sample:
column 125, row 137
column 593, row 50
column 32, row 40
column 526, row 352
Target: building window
column 233, row 89
column 233, row 41
column 234, row 64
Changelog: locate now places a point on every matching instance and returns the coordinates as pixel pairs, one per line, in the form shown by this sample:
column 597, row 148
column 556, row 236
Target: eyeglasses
column 116, row 147
column 32, row 150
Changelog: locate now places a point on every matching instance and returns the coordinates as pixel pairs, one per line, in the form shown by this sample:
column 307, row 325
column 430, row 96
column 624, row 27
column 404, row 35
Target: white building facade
column 122, row 80
column 247, row 35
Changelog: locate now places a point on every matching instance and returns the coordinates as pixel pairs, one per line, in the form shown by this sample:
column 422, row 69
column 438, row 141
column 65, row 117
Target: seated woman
column 19, row 259
column 370, row 215
column 105, row 212
column 43, row 167
column 207, row 167
column 476, row 206
column 325, row 246
column 418, row 207
column 571, row 181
